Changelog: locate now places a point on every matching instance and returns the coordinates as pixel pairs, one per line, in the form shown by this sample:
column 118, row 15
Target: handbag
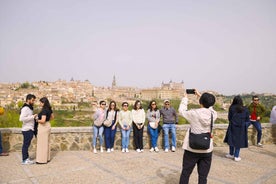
column 98, row 122
column 107, row 123
column 201, row 141
column 152, row 124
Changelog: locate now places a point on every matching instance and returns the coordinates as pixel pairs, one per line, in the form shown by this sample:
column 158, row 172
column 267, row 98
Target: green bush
column 10, row 119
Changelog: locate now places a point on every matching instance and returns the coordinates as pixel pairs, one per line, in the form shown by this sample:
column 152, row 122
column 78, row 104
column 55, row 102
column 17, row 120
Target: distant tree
column 25, row 85
column 11, row 105
column 20, row 104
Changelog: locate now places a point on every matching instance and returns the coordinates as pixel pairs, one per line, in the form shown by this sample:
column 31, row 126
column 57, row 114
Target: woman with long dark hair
column 138, row 118
column 236, row 135
column 153, row 116
column 110, row 131
column 44, row 131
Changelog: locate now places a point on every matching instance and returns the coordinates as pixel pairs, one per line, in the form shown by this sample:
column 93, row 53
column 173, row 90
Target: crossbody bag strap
column 211, row 126
column 106, row 114
column 115, row 117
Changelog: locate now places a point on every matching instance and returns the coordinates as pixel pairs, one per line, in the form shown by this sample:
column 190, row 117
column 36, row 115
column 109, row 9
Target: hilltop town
column 63, row 93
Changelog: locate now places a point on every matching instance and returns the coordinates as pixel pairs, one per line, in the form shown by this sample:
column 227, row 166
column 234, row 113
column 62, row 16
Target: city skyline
column 227, row 47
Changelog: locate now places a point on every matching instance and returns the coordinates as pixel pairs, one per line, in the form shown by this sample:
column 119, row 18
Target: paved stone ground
column 258, row 165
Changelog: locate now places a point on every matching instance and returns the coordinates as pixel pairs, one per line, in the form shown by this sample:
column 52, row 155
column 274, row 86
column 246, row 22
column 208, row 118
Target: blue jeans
column 109, row 136
column 153, row 136
column 125, row 138
column 1, row 148
column 169, row 127
column 234, row 151
column 258, row 127
column 27, row 139
column 97, row 131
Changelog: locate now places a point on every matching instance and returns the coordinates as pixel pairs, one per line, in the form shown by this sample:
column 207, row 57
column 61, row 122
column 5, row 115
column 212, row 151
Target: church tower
column 114, row 82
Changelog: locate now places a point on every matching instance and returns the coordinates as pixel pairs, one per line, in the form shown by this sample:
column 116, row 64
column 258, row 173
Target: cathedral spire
column 114, row 82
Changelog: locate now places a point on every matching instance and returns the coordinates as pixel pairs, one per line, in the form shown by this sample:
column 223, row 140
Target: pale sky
column 225, row 46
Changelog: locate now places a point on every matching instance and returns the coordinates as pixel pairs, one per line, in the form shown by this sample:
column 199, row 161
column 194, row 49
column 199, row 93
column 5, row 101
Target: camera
column 190, row 91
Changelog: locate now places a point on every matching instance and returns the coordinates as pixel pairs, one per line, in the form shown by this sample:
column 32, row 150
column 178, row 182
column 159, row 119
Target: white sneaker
column 166, row 150
column 101, row 149
column 173, row 149
column 108, row 150
column 138, row 150
column 94, row 150
column 229, row 156
column 112, row 149
column 141, row 150
column 152, row 149
column 260, row 145
column 237, row 159
column 123, row 150
column 127, row 150
column 27, row 162
column 156, row 149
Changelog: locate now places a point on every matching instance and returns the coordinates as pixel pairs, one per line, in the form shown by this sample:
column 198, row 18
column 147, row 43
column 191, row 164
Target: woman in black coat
column 236, row 135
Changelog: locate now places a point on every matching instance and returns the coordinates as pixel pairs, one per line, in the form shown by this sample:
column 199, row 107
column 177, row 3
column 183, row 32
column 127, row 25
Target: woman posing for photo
column 153, row 117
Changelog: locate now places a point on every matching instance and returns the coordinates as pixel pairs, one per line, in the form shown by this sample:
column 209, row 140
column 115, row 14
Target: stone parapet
column 80, row 138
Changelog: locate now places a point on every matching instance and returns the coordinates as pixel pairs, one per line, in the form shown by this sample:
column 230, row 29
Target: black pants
column 190, row 159
column 138, row 136
column 27, row 138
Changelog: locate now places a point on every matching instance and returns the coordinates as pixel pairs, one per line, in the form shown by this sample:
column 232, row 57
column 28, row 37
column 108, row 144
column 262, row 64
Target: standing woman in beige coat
column 44, row 131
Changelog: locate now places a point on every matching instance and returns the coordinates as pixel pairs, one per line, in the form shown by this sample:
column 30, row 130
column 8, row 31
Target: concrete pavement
column 258, row 165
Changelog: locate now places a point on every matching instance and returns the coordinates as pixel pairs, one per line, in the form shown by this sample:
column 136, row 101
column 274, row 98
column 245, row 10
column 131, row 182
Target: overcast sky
column 225, row 46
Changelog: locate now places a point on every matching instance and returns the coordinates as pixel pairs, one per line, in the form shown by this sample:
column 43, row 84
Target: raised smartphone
column 190, row 91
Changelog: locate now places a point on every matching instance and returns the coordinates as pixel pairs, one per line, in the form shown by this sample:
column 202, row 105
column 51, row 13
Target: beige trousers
column 43, row 142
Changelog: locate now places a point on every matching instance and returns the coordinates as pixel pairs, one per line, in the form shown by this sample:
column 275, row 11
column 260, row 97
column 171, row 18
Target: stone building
column 63, row 92
column 171, row 90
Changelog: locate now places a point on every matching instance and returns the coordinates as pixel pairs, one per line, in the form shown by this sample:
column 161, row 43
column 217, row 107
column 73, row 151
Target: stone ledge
column 89, row 129
column 80, row 138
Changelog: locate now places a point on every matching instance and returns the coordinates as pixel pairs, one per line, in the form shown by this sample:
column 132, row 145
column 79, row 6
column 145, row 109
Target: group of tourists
column 201, row 123
column 197, row 144
column 107, row 119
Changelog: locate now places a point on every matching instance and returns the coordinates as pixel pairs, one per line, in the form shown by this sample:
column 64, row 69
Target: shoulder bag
column 201, row 141
column 108, row 122
column 153, row 124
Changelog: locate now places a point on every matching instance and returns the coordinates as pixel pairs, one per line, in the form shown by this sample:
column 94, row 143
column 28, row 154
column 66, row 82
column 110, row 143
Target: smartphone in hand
column 190, row 91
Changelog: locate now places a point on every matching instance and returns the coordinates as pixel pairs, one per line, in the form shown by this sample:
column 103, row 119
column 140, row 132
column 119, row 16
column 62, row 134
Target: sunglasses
column 153, row 104
column 167, row 104
column 125, row 105
column 103, row 104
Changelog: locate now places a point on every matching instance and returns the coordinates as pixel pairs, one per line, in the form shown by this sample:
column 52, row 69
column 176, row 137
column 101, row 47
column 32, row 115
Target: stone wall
column 80, row 138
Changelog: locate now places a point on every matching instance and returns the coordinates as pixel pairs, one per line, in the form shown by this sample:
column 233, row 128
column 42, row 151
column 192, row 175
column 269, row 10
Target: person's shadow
column 170, row 176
